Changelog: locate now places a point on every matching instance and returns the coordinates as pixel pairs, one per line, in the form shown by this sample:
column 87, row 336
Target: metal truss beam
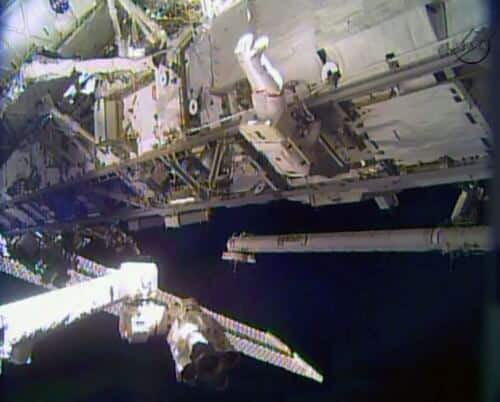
column 386, row 80
column 228, row 133
column 174, row 165
column 113, row 195
column 472, row 172
column 220, row 149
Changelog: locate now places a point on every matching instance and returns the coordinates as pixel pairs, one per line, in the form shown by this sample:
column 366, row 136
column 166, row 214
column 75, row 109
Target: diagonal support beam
column 220, row 149
column 153, row 32
column 116, row 196
column 173, row 164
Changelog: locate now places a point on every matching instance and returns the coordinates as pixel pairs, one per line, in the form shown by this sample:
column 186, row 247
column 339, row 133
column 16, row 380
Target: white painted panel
column 426, row 125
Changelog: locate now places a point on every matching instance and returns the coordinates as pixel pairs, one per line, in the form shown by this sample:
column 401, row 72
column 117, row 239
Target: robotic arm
column 201, row 351
column 205, row 345
column 24, row 321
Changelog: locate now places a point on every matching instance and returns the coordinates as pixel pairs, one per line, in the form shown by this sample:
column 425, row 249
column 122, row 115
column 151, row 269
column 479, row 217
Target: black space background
column 379, row 326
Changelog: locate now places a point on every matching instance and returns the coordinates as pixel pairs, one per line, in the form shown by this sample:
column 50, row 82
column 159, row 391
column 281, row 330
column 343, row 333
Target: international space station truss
column 147, row 113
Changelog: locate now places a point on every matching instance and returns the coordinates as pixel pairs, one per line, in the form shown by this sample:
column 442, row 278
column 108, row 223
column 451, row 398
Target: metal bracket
column 239, row 257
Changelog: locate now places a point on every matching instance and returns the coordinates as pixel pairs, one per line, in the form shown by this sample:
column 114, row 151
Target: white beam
column 469, row 239
column 25, row 319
